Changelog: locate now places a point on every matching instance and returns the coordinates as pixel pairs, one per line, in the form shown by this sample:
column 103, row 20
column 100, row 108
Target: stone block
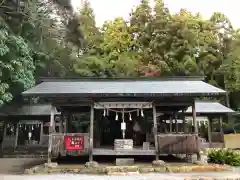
column 51, row 165
column 124, row 161
column 158, row 163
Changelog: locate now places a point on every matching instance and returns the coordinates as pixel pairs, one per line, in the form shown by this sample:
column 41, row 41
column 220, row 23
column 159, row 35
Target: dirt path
column 16, row 166
column 176, row 176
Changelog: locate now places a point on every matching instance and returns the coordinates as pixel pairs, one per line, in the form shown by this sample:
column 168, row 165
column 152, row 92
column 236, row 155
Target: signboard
column 74, row 143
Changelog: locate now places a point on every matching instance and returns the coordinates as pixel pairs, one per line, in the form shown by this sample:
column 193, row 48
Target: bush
column 224, row 156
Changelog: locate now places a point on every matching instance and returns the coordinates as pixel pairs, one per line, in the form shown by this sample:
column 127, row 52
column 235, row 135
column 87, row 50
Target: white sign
column 29, row 135
column 123, row 126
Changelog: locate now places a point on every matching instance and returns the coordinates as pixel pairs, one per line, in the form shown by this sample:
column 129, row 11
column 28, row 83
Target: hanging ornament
column 116, row 118
column 104, row 112
column 20, row 125
column 11, row 128
column 107, row 112
column 130, row 117
column 32, row 127
column 137, row 112
column 142, row 113
column 25, row 127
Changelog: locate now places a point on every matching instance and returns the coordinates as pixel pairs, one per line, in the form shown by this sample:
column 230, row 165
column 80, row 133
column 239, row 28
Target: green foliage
column 46, row 38
column 224, row 156
column 16, row 65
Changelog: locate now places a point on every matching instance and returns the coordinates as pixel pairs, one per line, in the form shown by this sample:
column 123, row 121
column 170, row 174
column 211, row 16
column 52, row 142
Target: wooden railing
column 58, row 144
column 178, row 143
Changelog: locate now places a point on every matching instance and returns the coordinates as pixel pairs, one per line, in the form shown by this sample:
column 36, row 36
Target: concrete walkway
column 175, row 176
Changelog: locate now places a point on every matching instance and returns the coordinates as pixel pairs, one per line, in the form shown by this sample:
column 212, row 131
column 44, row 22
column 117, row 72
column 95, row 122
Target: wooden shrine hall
column 120, row 116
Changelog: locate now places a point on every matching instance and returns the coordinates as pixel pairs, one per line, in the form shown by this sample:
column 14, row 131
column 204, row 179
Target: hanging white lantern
column 32, row 127
column 104, row 112
column 130, row 117
column 116, row 118
column 142, row 113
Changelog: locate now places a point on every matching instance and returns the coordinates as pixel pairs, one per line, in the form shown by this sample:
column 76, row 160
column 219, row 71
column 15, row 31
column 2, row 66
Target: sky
column 110, row 9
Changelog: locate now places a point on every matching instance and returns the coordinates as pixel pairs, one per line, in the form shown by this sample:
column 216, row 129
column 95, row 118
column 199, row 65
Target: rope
column 130, row 111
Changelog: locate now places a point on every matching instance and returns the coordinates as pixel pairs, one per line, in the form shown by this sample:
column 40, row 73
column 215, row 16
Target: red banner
column 74, row 143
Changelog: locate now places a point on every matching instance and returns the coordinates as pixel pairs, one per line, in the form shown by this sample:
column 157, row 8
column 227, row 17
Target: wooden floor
column 132, row 152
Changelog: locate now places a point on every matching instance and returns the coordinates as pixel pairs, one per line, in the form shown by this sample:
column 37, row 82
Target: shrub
column 224, row 156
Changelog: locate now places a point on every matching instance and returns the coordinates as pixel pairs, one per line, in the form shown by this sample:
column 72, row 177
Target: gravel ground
column 181, row 176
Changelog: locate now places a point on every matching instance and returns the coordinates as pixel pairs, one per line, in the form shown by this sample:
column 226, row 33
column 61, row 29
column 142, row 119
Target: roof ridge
column 169, row 78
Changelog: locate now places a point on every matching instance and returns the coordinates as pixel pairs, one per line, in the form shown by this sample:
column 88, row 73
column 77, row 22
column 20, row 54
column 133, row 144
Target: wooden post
column 209, row 133
column 176, row 123
column 17, row 132
column 91, row 134
column 170, row 124
column 194, row 118
column 41, row 133
column 155, row 130
column 221, row 125
column 4, row 136
column 65, row 122
column 184, row 122
column 61, row 128
column 50, row 135
column 195, row 126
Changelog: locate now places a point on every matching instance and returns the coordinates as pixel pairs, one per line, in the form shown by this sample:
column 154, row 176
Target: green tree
column 16, row 65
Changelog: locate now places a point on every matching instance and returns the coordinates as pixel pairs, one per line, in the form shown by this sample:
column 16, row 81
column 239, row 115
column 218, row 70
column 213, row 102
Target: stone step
column 124, row 161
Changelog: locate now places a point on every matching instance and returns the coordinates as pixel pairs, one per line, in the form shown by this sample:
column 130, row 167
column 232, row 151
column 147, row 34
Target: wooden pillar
column 17, row 132
column 184, row 122
column 221, row 124
column 4, row 136
column 176, row 123
column 61, row 128
column 91, row 134
column 155, row 130
column 65, row 122
column 195, row 127
column 41, row 133
column 50, row 135
column 194, row 115
column 170, row 124
column 209, row 133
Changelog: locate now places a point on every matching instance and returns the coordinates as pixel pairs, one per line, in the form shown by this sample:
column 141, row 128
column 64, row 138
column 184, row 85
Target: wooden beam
column 91, row 134
column 155, row 130
column 174, row 104
column 17, row 132
column 50, row 135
